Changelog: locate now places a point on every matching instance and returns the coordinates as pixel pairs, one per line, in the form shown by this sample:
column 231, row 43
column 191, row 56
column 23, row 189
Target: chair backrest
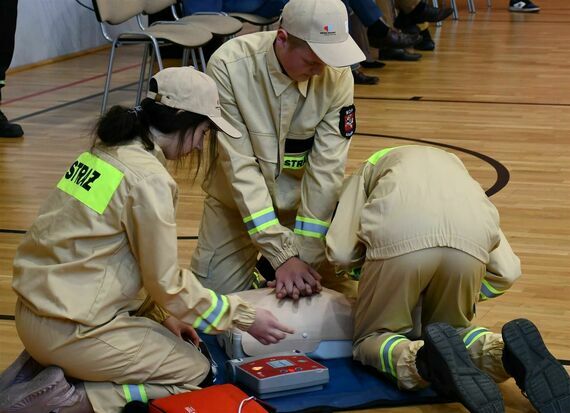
column 154, row 6
column 118, row 11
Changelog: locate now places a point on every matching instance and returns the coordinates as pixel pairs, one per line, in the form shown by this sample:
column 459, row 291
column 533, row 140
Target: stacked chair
column 114, row 12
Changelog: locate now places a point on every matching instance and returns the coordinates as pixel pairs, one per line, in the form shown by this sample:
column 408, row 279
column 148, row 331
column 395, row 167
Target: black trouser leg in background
column 8, row 17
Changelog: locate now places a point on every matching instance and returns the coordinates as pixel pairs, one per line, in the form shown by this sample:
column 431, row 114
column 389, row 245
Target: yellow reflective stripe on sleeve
column 311, row 227
column 212, row 316
column 260, row 220
column 219, row 314
column 92, row 181
column 199, row 322
column 374, row 158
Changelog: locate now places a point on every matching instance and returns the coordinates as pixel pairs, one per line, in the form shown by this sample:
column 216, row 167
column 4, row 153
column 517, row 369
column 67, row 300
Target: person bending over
column 106, row 233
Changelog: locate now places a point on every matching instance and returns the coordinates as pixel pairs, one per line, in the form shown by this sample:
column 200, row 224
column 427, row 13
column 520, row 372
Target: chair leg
column 150, row 69
column 454, row 8
column 108, row 79
column 185, row 56
column 194, row 59
column 436, row 5
column 202, row 59
column 142, row 74
column 157, row 53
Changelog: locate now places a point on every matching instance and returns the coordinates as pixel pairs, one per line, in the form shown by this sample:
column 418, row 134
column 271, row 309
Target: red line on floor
column 77, row 82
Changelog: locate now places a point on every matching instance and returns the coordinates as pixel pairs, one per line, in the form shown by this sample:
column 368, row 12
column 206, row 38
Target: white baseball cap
column 188, row 89
column 323, row 24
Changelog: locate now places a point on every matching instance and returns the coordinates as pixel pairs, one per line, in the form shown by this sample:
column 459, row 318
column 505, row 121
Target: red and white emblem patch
column 347, row 124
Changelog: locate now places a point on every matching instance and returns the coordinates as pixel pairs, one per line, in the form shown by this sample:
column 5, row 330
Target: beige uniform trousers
column 448, row 281
column 226, row 250
column 129, row 358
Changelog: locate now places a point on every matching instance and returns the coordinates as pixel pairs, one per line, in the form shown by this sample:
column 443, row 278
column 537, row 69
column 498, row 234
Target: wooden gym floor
column 496, row 92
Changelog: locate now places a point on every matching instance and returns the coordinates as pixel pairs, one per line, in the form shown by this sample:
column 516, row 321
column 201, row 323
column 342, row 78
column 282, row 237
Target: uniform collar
column 157, row 151
column 279, row 80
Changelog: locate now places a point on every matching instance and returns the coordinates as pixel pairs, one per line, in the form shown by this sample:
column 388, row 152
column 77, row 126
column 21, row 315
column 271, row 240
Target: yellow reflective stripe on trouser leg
column 135, row 392
column 386, row 350
column 470, row 338
column 91, row 181
column 311, row 227
column 488, row 291
column 260, row 220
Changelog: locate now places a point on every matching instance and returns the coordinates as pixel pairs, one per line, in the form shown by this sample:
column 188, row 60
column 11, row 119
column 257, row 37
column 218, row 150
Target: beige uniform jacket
column 290, row 159
column 414, row 197
column 106, row 232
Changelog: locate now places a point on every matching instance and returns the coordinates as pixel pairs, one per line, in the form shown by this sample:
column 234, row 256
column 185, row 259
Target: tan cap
column 323, row 24
column 187, row 89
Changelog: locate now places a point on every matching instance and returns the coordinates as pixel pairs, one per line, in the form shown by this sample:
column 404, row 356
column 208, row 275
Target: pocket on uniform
column 200, row 264
column 265, row 146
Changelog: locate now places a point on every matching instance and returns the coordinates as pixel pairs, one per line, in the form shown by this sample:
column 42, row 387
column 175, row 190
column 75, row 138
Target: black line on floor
column 21, row 231
column 483, row 102
column 503, row 174
column 564, row 362
column 522, row 21
column 72, row 102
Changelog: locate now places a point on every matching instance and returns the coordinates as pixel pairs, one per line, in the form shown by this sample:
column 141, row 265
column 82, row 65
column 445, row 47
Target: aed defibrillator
column 279, row 374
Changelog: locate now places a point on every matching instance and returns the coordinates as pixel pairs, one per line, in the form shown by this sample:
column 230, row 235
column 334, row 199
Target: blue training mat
column 351, row 386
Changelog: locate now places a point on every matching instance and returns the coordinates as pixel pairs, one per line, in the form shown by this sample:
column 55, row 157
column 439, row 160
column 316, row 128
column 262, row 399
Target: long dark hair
column 121, row 125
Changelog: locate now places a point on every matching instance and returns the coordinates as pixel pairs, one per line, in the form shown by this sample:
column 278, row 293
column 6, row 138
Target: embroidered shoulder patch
column 347, row 124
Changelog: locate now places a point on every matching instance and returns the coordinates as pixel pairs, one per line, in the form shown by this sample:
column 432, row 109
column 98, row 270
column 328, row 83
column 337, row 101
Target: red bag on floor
column 224, row 398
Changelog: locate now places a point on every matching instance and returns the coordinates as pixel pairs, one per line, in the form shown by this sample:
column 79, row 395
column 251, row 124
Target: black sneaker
column 538, row 374
column 372, row 64
column 393, row 39
column 401, row 55
column 363, row 79
column 9, row 129
column 445, row 363
column 523, row 6
column 427, row 43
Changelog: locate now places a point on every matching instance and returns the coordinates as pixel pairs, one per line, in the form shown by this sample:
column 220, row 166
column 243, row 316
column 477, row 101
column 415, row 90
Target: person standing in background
column 8, row 17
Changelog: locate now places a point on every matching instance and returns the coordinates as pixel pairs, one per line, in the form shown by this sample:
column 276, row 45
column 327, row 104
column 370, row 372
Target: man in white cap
column 290, row 94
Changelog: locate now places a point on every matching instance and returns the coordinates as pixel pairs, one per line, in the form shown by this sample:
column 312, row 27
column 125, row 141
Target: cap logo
column 328, row 30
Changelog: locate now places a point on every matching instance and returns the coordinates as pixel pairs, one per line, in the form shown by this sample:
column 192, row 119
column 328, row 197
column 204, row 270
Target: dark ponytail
column 121, row 125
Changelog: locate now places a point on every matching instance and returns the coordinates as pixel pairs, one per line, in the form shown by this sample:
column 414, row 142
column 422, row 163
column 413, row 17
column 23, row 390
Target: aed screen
column 279, row 363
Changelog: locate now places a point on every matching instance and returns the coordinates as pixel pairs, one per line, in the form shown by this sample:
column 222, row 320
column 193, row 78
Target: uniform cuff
column 282, row 256
column 244, row 313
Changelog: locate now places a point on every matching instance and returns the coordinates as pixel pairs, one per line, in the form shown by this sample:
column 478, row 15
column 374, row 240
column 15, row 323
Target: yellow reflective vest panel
column 107, row 231
column 287, row 168
column 409, row 198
